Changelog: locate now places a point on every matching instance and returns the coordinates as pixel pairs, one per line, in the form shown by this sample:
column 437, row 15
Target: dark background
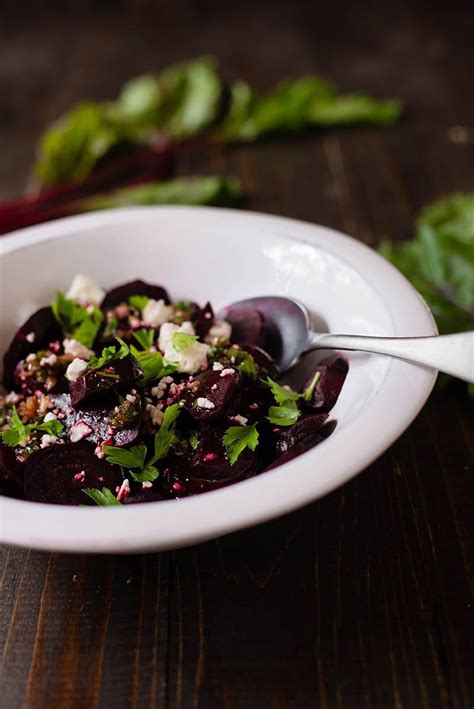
column 363, row 599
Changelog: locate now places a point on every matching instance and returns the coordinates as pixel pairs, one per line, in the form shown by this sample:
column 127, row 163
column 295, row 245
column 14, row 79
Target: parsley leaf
column 284, row 415
column 281, row 393
column 244, row 360
column 133, row 457
column 79, row 323
column 144, row 337
column 104, row 497
column 18, row 433
column 148, row 474
column 166, row 435
column 154, row 366
column 138, row 302
column 182, row 341
column 109, row 354
column 237, row 438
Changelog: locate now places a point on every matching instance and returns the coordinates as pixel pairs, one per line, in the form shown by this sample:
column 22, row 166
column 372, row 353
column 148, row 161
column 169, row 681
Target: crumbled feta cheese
column 205, row 403
column 217, row 366
column 156, row 313
column 241, row 420
column 50, row 360
column 76, row 349
column 221, row 330
column 76, row 369
column 227, row 372
column 85, row 291
column 13, row 398
column 31, row 357
column 47, row 440
column 50, row 417
column 146, row 484
column 30, row 337
column 79, row 431
column 156, row 414
column 190, row 360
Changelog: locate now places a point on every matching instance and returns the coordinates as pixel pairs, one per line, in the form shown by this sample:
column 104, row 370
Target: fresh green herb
column 281, row 393
column 439, row 261
column 103, row 497
column 309, row 391
column 109, row 354
column 79, row 323
column 284, row 415
column 138, row 302
column 182, row 304
column 18, row 433
column 237, row 438
column 244, row 360
column 153, row 364
column 145, row 338
column 166, row 435
column 133, row 457
column 193, row 440
column 182, row 341
column 111, row 327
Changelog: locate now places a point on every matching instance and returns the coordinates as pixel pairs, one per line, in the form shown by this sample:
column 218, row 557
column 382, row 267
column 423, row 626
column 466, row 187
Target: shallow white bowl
column 223, row 256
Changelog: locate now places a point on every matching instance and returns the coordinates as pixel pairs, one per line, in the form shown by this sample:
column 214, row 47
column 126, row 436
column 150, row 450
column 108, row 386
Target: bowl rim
column 138, row 528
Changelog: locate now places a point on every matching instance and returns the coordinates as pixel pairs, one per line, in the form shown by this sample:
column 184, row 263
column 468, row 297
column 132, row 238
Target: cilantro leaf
column 284, row 415
column 79, row 323
column 18, row 433
column 138, row 302
column 109, row 354
column 144, row 337
column 280, row 393
column 309, row 391
column 182, row 341
column 237, row 438
column 104, row 497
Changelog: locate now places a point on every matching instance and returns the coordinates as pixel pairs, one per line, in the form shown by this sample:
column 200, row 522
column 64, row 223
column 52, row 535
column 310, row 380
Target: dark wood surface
column 363, row 599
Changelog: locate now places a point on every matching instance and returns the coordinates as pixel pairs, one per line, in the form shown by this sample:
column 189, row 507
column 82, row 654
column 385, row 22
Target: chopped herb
column 284, row 415
column 18, row 433
column 182, row 304
column 133, row 457
column 78, row 323
column 144, row 337
column 111, row 327
column 103, row 497
column 181, row 341
column 281, row 393
column 244, row 360
column 309, row 391
column 166, row 436
column 148, row 474
column 138, row 302
column 153, row 364
column 109, row 354
column 193, row 440
column 237, row 438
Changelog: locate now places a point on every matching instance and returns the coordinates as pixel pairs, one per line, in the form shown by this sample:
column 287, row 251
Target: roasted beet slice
column 122, row 293
column 248, row 326
column 58, row 474
column 117, row 374
column 37, row 332
column 333, row 371
column 306, row 429
column 204, row 320
column 11, row 471
column 146, row 496
column 213, row 394
column 208, row 469
column 303, row 445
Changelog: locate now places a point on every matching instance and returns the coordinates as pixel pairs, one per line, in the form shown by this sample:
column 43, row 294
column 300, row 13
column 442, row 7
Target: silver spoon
column 452, row 354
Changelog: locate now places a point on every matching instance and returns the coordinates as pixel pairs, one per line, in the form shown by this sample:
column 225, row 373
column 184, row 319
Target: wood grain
column 365, row 598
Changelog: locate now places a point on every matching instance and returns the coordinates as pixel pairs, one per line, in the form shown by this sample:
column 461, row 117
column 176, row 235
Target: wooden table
column 363, row 599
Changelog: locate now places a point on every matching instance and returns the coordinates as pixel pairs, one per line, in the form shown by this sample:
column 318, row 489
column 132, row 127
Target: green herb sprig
column 237, row 438
column 79, row 323
column 19, row 433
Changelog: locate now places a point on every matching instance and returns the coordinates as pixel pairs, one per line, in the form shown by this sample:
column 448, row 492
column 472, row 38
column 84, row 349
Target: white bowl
column 223, row 256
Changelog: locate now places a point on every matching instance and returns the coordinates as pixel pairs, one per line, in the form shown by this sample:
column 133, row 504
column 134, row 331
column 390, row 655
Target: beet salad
column 122, row 397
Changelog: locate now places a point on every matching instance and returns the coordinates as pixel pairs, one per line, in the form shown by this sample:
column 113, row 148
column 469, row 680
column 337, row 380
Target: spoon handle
column 452, row 354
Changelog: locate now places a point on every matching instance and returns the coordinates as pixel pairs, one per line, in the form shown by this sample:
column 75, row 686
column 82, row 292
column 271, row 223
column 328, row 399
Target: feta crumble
column 76, row 349
column 217, row 367
column 205, row 403
column 47, row 440
column 190, row 360
column 79, row 431
column 76, row 369
column 31, row 337
column 221, row 330
column 50, row 417
column 50, row 359
column 156, row 313
column 85, row 291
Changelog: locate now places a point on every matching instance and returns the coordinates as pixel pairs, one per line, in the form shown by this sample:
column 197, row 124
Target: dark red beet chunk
column 45, row 328
column 221, row 391
column 204, row 320
column 94, row 383
column 333, row 374
column 122, row 293
column 305, row 430
column 58, row 474
column 303, row 445
column 11, row 471
column 208, row 469
column 146, row 496
column 248, row 326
